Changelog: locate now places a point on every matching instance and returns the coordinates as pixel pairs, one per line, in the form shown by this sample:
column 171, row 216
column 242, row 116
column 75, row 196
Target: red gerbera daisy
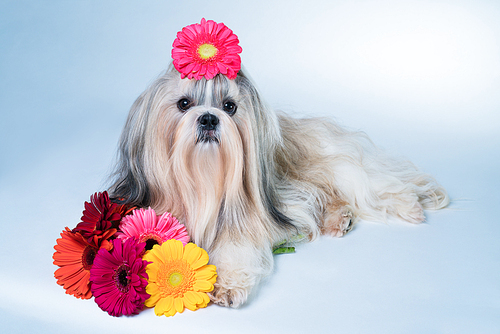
column 75, row 256
column 206, row 49
column 101, row 217
column 119, row 278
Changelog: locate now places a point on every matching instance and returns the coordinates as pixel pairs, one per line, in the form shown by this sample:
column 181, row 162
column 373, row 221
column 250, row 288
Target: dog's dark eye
column 230, row 107
column 184, row 104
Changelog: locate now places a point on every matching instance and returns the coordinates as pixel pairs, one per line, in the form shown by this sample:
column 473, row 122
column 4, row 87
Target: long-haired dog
column 243, row 177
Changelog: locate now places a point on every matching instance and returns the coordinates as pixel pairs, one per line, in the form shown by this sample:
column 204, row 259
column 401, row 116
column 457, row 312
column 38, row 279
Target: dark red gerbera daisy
column 100, row 217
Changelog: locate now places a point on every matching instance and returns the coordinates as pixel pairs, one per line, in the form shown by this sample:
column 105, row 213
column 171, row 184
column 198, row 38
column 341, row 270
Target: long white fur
column 268, row 178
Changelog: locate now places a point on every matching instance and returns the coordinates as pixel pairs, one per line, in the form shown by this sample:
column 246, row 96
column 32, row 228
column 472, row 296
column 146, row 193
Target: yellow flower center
column 206, row 51
column 174, row 278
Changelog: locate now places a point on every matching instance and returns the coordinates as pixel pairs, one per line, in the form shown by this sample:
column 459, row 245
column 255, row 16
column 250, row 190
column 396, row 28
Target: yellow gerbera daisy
column 179, row 277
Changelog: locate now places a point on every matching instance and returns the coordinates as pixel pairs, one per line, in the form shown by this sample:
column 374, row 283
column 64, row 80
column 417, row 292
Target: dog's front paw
column 233, row 297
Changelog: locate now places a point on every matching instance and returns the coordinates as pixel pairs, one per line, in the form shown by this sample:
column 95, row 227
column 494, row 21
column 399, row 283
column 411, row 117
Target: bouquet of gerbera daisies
column 128, row 258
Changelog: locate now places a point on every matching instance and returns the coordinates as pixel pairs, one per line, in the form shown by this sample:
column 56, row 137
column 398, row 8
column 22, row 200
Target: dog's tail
column 431, row 195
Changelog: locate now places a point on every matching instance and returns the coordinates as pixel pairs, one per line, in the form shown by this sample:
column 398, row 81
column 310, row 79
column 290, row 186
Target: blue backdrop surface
column 421, row 78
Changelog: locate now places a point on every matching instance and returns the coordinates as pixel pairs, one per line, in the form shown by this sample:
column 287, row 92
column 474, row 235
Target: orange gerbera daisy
column 75, row 256
column 179, row 277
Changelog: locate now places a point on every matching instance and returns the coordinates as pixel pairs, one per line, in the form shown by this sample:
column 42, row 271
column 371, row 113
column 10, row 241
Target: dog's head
column 200, row 149
column 200, row 143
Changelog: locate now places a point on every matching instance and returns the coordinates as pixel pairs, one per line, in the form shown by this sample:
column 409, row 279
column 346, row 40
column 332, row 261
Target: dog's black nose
column 208, row 121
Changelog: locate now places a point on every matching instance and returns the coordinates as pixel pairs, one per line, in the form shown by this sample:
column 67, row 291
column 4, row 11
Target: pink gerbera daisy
column 145, row 226
column 119, row 278
column 206, row 49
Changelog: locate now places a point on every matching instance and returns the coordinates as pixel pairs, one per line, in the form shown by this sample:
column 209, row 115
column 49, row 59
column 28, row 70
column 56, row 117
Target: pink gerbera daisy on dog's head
column 205, row 50
column 145, row 226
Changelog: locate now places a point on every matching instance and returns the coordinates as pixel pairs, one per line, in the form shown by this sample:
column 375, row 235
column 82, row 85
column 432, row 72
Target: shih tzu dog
column 201, row 144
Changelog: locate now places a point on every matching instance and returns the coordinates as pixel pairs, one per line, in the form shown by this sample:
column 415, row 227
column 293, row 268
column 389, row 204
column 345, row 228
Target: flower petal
column 179, row 305
column 189, row 304
column 205, row 300
column 164, row 305
column 203, row 286
column 206, row 272
column 191, row 253
column 201, row 261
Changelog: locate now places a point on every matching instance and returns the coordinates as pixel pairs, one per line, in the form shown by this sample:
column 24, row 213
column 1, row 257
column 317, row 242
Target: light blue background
column 422, row 78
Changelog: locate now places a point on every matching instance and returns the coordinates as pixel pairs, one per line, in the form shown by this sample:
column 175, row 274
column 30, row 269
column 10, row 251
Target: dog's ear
column 130, row 183
column 268, row 140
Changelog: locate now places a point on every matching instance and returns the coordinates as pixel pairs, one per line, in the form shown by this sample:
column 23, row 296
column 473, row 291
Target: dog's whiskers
column 207, row 137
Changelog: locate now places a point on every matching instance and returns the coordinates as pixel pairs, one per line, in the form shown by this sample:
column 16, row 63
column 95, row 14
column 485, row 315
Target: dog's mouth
column 207, row 136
